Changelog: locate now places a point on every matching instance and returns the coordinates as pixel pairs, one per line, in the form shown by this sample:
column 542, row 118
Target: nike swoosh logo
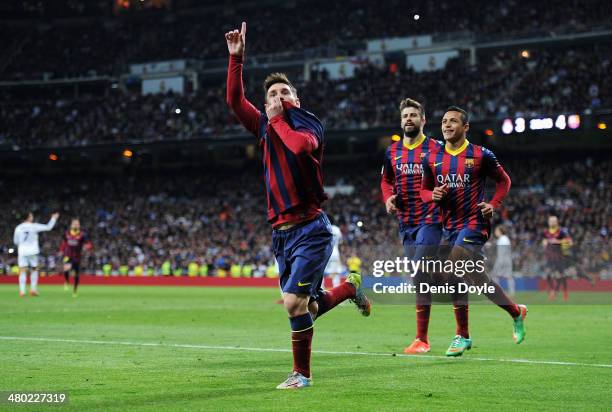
column 398, row 157
column 437, row 164
column 304, row 284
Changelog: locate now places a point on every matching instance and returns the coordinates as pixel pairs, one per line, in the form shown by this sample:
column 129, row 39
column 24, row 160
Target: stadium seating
column 203, row 218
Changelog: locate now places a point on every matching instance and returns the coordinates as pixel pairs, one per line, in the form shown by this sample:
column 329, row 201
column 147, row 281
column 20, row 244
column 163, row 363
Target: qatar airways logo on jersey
column 409, row 168
column 454, row 180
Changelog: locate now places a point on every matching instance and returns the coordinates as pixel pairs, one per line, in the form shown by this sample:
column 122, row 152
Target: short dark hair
column 465, row 118
column 274, row 78
column 408, row 102
column 27, row 214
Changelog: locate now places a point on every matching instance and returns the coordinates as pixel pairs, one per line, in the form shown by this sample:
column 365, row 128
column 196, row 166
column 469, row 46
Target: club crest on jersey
column 423, row 154
column 454, row 180
column 469, row 162
column 409, row 168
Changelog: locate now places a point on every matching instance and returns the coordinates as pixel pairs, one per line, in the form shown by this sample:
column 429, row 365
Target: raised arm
column 244, row 110
column 39, row 227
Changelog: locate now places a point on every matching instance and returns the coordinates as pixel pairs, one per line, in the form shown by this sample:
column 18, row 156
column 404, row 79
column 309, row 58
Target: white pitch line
column 322, row 352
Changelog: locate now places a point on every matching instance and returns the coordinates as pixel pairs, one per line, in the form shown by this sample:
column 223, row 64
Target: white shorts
column 502, row 269
column 334, row 266
column 30, row 261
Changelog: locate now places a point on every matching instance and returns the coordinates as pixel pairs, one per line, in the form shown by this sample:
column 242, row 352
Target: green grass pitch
column 174, row 348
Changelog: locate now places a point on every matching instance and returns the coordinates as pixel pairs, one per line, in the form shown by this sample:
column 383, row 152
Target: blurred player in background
column 420, row 223
column 354, row 263
column 455, row 178
column 503, row 260
column 70, row 251
column 557, row 243
column 26, row 240
column 335, row 268
column 292, row 143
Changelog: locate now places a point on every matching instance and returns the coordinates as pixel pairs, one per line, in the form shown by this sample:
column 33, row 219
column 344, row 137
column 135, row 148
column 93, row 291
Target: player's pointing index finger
column 243, row 29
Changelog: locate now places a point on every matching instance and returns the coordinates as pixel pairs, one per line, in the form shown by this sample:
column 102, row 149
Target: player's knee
column 313, row 308
column 295, row 304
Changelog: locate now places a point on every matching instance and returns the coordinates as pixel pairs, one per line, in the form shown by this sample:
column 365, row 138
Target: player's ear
column 466, row 127
column 297, row 102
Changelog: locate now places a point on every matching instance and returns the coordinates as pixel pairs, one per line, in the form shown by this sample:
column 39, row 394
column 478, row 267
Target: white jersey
column 337, row 237
column 26, row 237
column 504, row 252
column 503, row 262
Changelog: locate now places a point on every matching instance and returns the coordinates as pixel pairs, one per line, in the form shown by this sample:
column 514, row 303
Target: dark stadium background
column 171, row 176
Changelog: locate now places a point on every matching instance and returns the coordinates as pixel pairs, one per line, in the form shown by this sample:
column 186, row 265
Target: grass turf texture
column 135, row 377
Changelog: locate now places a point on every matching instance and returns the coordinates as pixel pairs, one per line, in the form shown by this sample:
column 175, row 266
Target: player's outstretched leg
column 66, row 280
column 562, row 285
column 351, row 289
column 76, row 284
column 461, row 342
column 34, row 282
column 550, row 283
column 23, row 279
column 423, row 310
column 302, row 330
column 519, row 325
column 361, row 300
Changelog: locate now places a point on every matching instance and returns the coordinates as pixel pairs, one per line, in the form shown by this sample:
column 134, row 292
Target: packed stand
column 163, row 224
column 107, row 43
column 573, row 80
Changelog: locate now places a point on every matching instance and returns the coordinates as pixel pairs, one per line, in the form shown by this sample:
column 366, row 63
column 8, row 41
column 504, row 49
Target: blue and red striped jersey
column 292, row 179
column 402, row 174
column 72, row 245
column 465, row 172
column 292, row 144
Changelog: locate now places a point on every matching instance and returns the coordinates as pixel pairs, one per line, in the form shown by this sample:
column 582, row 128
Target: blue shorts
column 421, row 241
column 302, row 253
column 471, row 240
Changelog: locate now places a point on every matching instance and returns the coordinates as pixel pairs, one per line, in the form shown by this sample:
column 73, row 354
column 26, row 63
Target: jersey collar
column 415, row 144
column 457, row 151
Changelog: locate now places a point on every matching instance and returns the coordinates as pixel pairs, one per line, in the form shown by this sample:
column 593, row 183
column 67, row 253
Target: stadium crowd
column 570, row 80
column 95, row 41
column 161, row 224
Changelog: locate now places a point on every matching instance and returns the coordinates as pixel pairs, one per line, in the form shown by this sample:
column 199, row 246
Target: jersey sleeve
column 87, row 243
column 62, row 248
column 387, row 178
column 39, row 227
column 427, row 181
column 244, row 110
column 298, row 141
column 491, row 168
column 16, row 237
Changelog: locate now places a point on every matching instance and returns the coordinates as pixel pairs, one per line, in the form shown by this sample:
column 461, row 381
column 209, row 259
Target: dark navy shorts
column 471, row 240
column 302, row 253
column 421, row 241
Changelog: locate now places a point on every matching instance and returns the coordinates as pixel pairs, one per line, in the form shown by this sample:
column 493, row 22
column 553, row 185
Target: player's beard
column 412, row 133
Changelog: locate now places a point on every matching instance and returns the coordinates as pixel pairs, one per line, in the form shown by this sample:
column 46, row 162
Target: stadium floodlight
column 541, row 124
column 561, row 123
column 507, row 126
column 519, row 125
column 573, row 121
